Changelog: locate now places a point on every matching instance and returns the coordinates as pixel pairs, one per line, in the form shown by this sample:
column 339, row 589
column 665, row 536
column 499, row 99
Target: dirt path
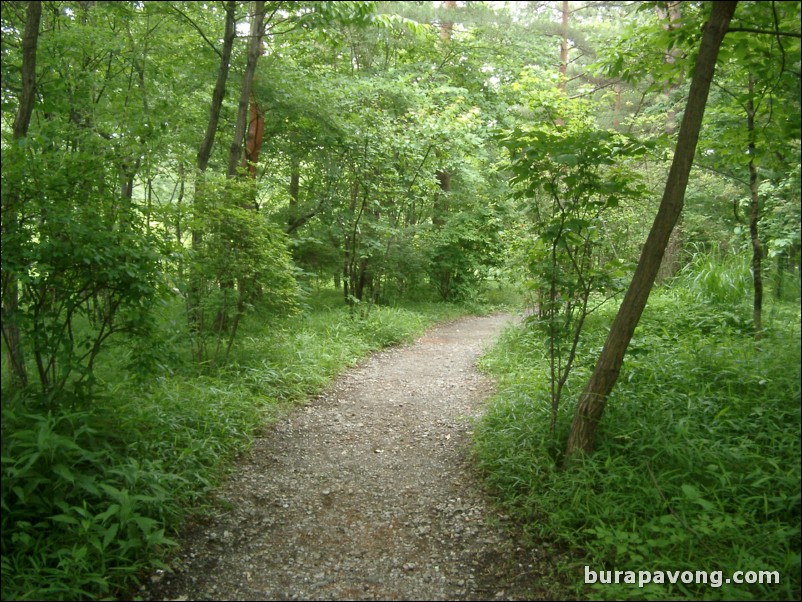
column 367, row 493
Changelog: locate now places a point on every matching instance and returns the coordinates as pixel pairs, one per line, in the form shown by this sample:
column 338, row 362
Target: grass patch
column 697, row 464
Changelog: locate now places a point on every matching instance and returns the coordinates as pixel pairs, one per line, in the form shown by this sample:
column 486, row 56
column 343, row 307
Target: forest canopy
column 177, row 177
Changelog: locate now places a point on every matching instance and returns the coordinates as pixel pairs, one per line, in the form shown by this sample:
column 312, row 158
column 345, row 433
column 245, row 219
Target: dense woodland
column 211, row 208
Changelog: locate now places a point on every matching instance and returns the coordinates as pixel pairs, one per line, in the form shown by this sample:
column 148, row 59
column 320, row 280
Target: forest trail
column 367, row 493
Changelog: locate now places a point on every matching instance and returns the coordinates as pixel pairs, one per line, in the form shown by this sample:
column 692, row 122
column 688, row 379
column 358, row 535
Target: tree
column 754, row 215
column 256, row 31
column 565, row 13
column 11, row 275
column 205, row 151
column 590, row 407
column 74, row 238
column 571, row 179
column 753, row 138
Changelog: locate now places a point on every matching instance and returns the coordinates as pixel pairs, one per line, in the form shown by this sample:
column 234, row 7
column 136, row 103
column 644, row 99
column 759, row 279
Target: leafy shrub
column 74, row 509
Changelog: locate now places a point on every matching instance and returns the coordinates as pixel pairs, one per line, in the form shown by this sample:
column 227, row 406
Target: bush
column 75, row 509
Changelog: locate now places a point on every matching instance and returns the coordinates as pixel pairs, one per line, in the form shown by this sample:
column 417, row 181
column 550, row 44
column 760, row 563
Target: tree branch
column 198, row 29
column 790, row 34
column 779, row 39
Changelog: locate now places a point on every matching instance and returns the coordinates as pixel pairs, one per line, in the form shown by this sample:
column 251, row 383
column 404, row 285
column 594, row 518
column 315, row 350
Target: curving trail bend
column 367, row 493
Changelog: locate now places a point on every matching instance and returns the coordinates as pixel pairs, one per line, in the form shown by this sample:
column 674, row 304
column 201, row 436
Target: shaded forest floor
column 368, row 493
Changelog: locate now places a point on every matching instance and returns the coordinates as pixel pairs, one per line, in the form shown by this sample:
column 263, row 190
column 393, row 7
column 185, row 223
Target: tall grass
column 92, row 495
column 716, row 278
column 697, row 465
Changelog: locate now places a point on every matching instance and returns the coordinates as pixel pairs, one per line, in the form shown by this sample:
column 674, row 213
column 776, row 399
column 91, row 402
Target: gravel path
column 367, row 493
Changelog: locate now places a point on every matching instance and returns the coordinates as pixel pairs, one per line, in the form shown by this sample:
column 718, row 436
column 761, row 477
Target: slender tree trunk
column 11, row 208
column 236, row 156
column 670, row 15
column 439, row 219
column 590, row 407
column 565, row 13
column 754, row 217
column 295, row 193
column 671, row 259
column 129, row 167
column 349, row 246
column 205, row 152
column 440, row 209
column 295, row 185
column 446, row 27
column 205, row 149
column 253, row 142
column 255, row 34
column 178, row 216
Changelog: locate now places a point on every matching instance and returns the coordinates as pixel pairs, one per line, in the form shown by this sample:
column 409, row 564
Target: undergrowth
column 93, row 493
column 697, row 464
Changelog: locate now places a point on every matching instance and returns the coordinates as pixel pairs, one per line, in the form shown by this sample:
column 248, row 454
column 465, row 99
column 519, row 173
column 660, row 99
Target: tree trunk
column 670, row 15
column 295, row 193
column 446, row 27
column 205, row 149
column 241, row 156
column 349, row 247
column 671, row 20
column 565, row 13
column 30, row 39
column 253, row 143
column 256, row 32
column 440, row 209
column 590, row 407
column 205, row 152
column 439, row 219
column 671, row 263
column 754, row 216
column 10, row 308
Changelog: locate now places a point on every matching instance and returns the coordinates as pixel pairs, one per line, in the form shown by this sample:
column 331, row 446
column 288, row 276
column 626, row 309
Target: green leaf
column 64, row 472
column 568, row 159
column 110, row 534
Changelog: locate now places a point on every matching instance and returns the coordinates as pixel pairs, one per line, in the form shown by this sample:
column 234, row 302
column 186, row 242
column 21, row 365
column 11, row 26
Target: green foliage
column 779, row 226
column 74, row 510
column 718, row 281
column 85, row 270
column 243, row 260
column 463, row 251
column 380, row 163
column 569, row 179
column 365, row 147
column 639, row 51
column 697, row 466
